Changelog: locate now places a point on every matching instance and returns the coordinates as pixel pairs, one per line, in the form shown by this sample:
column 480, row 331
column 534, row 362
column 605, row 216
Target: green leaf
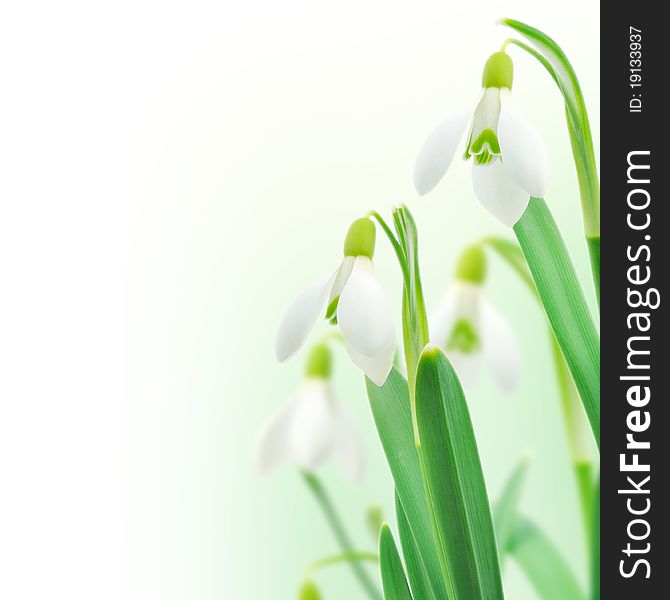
column 414, row 316
column 394, row 582
column 454, row 480
column 556, row 62
column 594, row 255
column 506, row 508
column 390, row 406
column 564, row 303
column 416, row 569
column 542, row 563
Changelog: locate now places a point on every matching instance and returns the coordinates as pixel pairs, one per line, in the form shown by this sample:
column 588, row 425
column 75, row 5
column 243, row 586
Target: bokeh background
column 175, row 173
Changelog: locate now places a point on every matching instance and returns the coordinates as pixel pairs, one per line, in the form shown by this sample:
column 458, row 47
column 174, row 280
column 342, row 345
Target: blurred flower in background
column 313, row 426
column 471, row 330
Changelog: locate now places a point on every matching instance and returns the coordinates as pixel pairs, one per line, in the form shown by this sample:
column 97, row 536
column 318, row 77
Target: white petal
column 501, row 348
column 442, row 319
column 467, row 366
column 341, row 278
column 498, row 193
column 272, row 443
column 437, row 152
column 522, row 149
column 363, row 313
column 300, row 318
column 348, row 448
column 378, row 367
column 312, row 426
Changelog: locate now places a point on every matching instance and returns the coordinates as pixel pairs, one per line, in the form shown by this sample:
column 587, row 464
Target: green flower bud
column 360, row 240
column 375, row 519
column 471, row 267
column 309, row 591
column 498, row 71
column 319, row 362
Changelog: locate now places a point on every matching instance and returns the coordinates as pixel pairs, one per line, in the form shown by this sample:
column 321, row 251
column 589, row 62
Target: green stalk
column 341, row 534
column 594, row 255
column 564, row 303
column 578, row 443
column 584, row 474
column 414, row 314
column 554, row 60
column 338, row 559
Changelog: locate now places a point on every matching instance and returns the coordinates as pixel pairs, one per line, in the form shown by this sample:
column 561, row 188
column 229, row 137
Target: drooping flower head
column 354, row 301
column 309, row 591
column 509, row 160
column 313, row 426
column 471, row 331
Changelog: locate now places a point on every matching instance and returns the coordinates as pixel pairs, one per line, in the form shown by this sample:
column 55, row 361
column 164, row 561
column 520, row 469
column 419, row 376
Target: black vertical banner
column 635, row 367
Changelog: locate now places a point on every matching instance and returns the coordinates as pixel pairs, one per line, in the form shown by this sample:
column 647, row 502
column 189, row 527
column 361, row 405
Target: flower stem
column 577, row 433
column 564, row 303
column 341, row 534
column 397, row 248
column 414, row 316
column 594, row 255
column 338, row 559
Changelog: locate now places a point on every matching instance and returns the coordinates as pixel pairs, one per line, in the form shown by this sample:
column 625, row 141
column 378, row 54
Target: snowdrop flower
column 309, row 591
column 313, row 426
column 510, row 161
column 355, row 301
column 471, row 331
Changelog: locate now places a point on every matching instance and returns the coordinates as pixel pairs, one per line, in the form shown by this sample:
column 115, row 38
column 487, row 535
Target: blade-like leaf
column 416, row 569
column 564, row 303
column 414, row 316
column 393, row 575
column 390, row 406
column 506, row 509
column 556, row 62
column 454, row 481
column 542, row 563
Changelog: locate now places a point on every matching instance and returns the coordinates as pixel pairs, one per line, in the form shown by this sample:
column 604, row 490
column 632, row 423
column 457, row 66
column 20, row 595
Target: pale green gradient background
column 267, row 129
